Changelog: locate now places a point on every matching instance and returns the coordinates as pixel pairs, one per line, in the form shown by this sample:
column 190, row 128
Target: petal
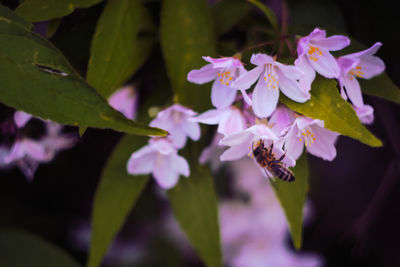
column 292, row 89
column 293, row 145
column 264, row 100
column 220, row 63
column 125, row 101
column 326, row 65
column 237, row 138
column 317, row 34
column 261, row 59
column 244, row 81
column 212, row 116
column 141, row 162
column 222, row 96
column 324, row 144
column 21, row 118
column 291, row 72
column 308, row 73
column 365, row 53
column 17, row 152
column 346, row 64
column 236, row 152
column 333, row 43
column 353, row 90
column 179, row 164
column 365, row 113
column 204, row 75
column 165, row 176
column 281, row 119
column 192, row 129
column 232, row 122
column 246, row 97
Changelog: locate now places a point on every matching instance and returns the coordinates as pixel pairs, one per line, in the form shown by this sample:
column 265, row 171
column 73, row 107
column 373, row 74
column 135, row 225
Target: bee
column 267, row 160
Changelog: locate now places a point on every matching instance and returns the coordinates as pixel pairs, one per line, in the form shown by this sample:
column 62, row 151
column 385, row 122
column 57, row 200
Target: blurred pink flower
column 319, row 141
column 230, row 120
column 177, row 121
column 313, row 55
column 272, row 76
column 254, row 232
column 161, row 159
column 28, row 153
column 358, row 65
column 223, row 71
column 281, row 119
column 125, row 101
column 212, row 152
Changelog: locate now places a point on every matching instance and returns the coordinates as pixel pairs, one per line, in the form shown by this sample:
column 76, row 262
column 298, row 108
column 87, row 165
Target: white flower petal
column 264, row 100
column 353, row 90
column 244, row 81
column 204, row 75
column 222, row 96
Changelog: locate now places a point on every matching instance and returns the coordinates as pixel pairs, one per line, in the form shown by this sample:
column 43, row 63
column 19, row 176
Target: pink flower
column 211, row 153
column 21, row 118
column 272, row 76
column 230, row 120
column 365, row 113
column 161, row 159
column 319, row 141
column 358, row 65
column 242, row 144
column 281, row 119
column 223, row 71
column 313, row 55
column 125, row 101
column 177, row 121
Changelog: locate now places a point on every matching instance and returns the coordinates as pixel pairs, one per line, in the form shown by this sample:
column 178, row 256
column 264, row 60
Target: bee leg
column 283, row 156
column 270, row 149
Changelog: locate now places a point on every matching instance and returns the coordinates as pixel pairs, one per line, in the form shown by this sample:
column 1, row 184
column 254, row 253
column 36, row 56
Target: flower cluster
column 27, row 141
column 160, row 157
column 245, row 119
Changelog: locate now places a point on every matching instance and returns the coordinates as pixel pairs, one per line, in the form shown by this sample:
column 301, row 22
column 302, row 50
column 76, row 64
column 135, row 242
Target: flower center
column 356, row 72
column 308, row 137
column 314, row 52
column 225, row 77
column 177, row 117
column 271, row 77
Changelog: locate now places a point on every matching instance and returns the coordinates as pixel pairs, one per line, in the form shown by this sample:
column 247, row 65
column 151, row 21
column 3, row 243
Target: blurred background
column 354, row 200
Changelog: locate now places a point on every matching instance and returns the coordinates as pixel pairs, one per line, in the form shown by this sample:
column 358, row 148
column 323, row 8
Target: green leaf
column 116, row 52
column 20, row 249
column 326, row 104
column 36, row 78
column 40, row 10
column 194, row 204
column 227, row 13
column 116, row 195
column 52, row 27
column 292, row 197
column 268, row 13
column 187, row 35
column 381, row 86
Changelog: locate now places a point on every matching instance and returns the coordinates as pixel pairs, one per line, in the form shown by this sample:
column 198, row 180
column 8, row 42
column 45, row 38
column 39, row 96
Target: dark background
column 356, row 197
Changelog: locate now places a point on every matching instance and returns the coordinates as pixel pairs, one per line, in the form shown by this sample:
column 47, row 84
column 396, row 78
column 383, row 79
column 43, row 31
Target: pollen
column 271, row 77
column 225, row 77
column 314, row 52
column 309, row 137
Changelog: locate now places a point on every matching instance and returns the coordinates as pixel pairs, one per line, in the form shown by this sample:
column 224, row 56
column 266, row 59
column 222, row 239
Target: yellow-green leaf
column 339, row 116
column 292, row 197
